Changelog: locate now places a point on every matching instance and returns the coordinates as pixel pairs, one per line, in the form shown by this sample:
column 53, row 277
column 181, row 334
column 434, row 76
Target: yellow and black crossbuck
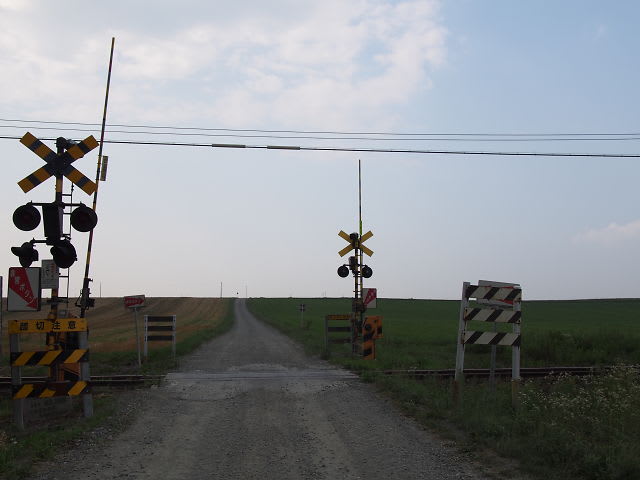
column 355, row 243
column 58, row 164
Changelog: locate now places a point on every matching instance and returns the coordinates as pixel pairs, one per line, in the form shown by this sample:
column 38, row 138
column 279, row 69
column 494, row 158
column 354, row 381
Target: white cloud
column 612, row 234
column 325, row 64
column 14, row 4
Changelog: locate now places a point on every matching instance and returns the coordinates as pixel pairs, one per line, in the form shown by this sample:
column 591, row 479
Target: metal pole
column 135, row 319
column 16, row 380
column 359, row 254
column 85, row 283
column 360, row 224
column 360, row 195
column 53, row 339
column 146, row 342
column 515, row 360
column 175, row 333
column 1, row 337
column 459, row 376
column 326, row 335
column 492, row 364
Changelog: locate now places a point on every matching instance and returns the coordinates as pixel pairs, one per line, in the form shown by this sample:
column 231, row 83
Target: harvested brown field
column 112, row 327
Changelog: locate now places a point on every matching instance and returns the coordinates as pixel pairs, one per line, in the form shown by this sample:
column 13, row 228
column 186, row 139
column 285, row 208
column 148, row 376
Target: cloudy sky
column 416, row 75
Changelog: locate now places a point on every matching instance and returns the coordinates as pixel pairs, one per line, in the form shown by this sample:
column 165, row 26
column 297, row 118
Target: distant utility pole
column 220, row 289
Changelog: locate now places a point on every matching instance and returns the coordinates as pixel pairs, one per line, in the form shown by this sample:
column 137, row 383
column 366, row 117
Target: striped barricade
column 68, row 367
column 342, row 324
column 49, row 357
column 48, row 390
column 496, row 303
column 159, row 328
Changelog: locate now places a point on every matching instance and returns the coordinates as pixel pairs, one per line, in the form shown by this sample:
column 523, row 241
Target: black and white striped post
column 509, row 299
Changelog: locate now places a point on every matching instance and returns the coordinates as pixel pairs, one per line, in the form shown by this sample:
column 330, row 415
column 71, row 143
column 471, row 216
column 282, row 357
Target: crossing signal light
column 64, row 253
column 366, row 271
column 84, row 219
column 343, row 271
column 26, row 253
column 26, row 217
column 52, row 218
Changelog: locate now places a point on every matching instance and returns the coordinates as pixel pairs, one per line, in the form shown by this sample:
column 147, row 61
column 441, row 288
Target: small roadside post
column 1, row 314
column 135, row 302
column 302, row 308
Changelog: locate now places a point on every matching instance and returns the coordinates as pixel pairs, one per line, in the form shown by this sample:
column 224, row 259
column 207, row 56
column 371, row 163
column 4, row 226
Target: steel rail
column 96, row 381
column 531, row 372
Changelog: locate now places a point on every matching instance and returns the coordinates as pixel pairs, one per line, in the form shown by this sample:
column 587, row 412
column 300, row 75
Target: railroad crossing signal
column 26, row 253
column 58, row 164
column 27, row 217
column 355, row 262
column 355, row 242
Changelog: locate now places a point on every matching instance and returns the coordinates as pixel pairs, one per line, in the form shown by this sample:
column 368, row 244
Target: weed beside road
column 564, row 427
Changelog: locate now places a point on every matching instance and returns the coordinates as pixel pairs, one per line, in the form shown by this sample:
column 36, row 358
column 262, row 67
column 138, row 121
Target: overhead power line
column 315, row 137
column 242, row 131
column 361, row 150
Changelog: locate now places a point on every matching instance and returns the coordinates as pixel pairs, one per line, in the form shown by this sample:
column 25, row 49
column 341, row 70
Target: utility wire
column 361, row 150
column 636, row 135
column 314, row 137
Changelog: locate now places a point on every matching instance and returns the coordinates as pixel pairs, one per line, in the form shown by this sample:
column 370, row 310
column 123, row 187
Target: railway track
column 533, row 372
column 96, row 381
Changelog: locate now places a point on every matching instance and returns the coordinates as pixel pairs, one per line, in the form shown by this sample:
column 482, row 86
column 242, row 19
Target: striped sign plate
column 494, row 293
column 339, row 329
column 47, row 390
column 49, row 357
column 492, row 338
column 497, row 315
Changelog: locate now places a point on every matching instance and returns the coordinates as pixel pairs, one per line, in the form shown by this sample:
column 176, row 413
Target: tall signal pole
column 84, row 301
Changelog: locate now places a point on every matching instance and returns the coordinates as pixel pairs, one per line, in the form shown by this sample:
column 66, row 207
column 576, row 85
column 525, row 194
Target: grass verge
column 562, row 428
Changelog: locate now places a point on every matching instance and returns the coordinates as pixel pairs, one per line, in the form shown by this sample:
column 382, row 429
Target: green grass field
column 422, row 333
column 562, row 428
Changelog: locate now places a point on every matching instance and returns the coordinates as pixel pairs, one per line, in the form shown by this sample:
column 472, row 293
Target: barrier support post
column 16, row 380
column 515, row 362
column 459, row 375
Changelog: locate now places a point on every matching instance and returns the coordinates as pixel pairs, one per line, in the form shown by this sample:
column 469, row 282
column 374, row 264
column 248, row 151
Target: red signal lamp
column 26, row 217
column 84, row 219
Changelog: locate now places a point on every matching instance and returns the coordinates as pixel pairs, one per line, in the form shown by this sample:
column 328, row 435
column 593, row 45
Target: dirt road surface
column 252, row 405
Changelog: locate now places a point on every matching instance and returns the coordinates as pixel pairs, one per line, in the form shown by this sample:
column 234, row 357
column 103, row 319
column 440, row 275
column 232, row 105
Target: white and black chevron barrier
column 496, row 303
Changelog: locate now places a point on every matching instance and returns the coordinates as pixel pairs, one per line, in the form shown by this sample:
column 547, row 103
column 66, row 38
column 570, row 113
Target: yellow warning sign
column 44, row 326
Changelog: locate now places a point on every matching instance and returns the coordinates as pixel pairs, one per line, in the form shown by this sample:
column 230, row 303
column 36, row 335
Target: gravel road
column 250, row 404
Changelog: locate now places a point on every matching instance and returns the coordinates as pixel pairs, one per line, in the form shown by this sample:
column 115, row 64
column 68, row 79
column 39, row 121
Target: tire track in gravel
column 250, row 404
